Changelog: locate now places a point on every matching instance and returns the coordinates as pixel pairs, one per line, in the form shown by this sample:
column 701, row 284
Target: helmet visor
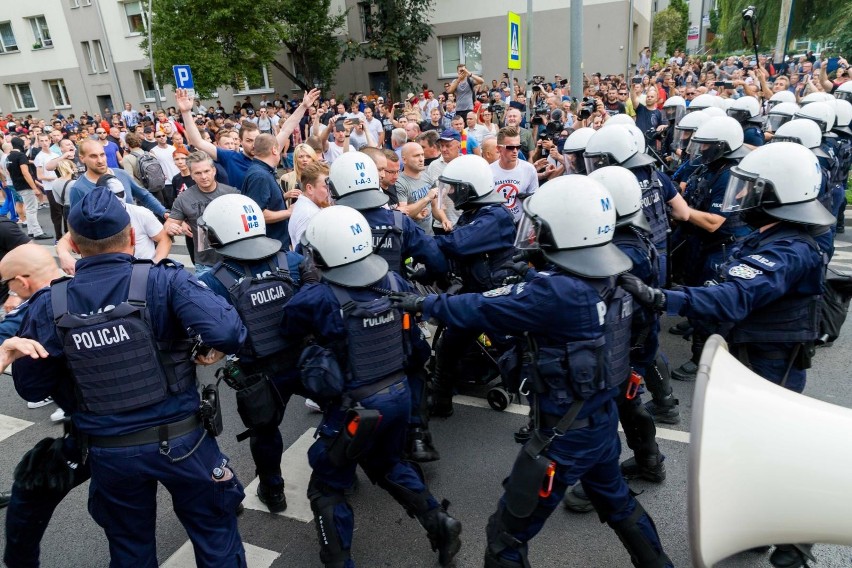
column 706, row 152
column 460, row 192
column 575, row 163
column 843, row 95
column 793, row 139
column 674, row 113
column 205, row 237
column 529, row 233
column 774, row 121
column 738, row 114
column 681, row 138
column 746, row 191
column 598, row 161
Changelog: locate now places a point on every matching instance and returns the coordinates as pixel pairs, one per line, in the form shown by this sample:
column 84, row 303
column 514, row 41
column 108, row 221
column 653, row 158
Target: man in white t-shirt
column 165, row 154
column 374, row 125
column 47, row 177
column 315, row 196
column 332, row 150
column 511, row 175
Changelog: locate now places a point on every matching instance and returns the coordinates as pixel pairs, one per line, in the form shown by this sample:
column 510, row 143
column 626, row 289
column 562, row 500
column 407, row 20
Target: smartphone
column 356, row 121
column 637, row 80
column 719, row 84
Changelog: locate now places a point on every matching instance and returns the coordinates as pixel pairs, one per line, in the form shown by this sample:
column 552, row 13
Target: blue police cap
column 99, row 215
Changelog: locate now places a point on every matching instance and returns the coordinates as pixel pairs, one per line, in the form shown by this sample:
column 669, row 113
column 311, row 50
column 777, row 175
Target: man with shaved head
column 25, row 269
column 416, row 190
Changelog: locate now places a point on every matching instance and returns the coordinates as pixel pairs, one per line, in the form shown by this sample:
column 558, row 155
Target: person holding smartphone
column 462, row 87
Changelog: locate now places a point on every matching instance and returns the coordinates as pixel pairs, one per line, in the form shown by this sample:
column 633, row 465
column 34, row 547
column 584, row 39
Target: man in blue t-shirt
column 111, row 149
column 259, row 183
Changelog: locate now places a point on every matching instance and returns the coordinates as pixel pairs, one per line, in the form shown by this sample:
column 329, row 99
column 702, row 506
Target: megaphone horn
column 766, row 465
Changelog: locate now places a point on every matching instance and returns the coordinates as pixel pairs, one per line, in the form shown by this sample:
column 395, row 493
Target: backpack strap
column 344, row 298
column 59, row 297
column 138, row 292
column 398, row 221
column 223, row 274
column 281, row 260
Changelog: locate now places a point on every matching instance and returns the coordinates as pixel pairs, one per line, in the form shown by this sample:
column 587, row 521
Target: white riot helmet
column 620, row 119
column 571, row 219
column 341, row 242
column 778, row 115
column 686, row 128
column 573, row 149
column 716, row 139
column 844, row 92
column 233, row 225
column 744, row 109
column 626, row 194
column 821, row 113
column 817, row 97
column 353, row 180
column 615, row 146
column 703, row 101
column 842, row 116
column 714, row 112
column 725, row 104
column 801, row 131
column 674, row 108
column 780, row 97
column 783, row 179
column 469, row 182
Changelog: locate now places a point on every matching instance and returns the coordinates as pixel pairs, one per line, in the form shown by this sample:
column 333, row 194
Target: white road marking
column 662, row 433
column 9, row 426
column 297, row 473
column 256, row 557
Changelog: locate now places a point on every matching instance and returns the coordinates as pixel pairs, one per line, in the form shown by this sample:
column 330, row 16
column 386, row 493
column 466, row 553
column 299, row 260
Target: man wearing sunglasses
column 513, row 178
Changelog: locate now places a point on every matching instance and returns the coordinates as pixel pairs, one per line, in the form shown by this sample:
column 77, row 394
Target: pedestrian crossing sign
column 514, row 41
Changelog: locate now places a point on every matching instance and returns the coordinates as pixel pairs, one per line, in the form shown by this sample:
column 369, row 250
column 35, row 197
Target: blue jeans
column 123, row 501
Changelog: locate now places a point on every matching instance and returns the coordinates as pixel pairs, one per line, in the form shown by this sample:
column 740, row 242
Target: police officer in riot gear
column 359, row 344
column 778, row 115
column 119, row 359
column 843, row 149
column 479, row 249
column 746, row 111
column 770, row 287
column 354, row 181
column 610, row 147
column 680, row 142
column 577, row 326
column 704, row 240
column 575, row 146
column 258, row 280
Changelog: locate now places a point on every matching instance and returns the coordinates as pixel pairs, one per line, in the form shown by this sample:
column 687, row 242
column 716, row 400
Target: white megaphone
column 766, row 465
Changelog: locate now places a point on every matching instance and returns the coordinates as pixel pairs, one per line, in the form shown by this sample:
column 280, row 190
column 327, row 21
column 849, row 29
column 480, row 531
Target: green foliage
column 668, row 25
column 715, row 20
column 679, row 41
column 398, row 31
column 227, row 42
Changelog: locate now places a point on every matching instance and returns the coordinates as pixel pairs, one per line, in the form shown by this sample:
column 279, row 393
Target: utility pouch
column 211, row 410
column 804, row 358
column 320, row 372
column 583, row 360
column 509, row 364
column 259, row 403
column 531, row 479
column 358, row 428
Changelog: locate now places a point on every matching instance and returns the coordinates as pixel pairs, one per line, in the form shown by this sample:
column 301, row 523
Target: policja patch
column 744, row 271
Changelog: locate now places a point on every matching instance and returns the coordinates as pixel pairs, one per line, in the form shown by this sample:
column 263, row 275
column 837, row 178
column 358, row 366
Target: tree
column 679, row 41
column 228, row 42
column 668, row 25
column 396, row 32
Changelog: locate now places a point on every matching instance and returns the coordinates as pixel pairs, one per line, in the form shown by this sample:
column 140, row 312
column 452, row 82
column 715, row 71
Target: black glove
column 308, row 271
column 649, row 297
column 517, row 272
column 45, row 468
column 421, row 275
column 407, row 302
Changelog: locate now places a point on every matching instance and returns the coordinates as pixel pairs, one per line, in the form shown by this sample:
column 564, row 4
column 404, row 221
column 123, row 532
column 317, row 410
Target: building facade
column 71, row 56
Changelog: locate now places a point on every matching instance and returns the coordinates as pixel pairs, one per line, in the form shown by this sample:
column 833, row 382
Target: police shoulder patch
column 502, row 291
column 744, row 271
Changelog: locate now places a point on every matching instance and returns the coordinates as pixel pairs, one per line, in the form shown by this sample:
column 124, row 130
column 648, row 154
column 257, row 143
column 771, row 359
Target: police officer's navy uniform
column 369, row 345
column 137, row 410
column 479, row 249
column 752, row 134
column 657, row 190
column 562, row 313
column 264, row 351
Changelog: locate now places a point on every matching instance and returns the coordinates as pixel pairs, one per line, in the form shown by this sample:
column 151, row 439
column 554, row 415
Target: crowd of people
column 323, row 232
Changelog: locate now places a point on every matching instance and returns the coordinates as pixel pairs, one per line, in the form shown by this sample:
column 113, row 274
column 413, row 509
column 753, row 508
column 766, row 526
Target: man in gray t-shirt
column 190, row 204
column 463, row 86
column 411, row 190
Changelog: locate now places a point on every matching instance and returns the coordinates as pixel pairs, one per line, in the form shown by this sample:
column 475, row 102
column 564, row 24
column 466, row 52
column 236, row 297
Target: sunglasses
column 511, row 148
column 160, row 136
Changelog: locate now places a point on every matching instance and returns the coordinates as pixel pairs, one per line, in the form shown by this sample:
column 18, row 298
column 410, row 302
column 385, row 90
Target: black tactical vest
column 115, row 360
column 260, row 301
column 375, row 346
column 387, row 242
column 654, row 208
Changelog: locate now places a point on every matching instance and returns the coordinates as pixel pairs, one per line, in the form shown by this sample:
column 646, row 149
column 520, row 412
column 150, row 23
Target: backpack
column 150, row 172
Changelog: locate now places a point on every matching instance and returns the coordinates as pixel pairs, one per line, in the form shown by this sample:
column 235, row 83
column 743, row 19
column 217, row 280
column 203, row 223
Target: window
column 100, row 58
column 7, row 38
column 74, row 3
column 87, row 2
column 41, row 34
column 136, row 17
column 22, row 97
column 460, row 49
column 91, row 65
column 59, row 93
column 365, row 15
column 147, row 86
column 256, row 84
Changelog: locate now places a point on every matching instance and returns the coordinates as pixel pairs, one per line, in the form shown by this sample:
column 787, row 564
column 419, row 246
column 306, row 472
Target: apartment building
column 76, row 55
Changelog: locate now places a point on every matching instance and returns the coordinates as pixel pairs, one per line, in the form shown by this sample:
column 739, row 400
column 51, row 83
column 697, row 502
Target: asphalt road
column 477, row 453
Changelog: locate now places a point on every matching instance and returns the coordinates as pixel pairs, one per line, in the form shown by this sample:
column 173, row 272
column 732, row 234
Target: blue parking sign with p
column 183, row 78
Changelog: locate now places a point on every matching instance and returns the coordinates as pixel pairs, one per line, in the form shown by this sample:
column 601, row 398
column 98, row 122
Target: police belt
column 382, row 386
column 152, row 435
column 551, row 420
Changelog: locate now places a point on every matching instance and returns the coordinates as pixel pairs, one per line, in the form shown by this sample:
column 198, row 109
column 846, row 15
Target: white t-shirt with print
column 509, row 183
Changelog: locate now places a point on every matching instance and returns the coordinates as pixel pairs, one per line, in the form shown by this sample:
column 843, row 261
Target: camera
column 587, row 107
column 748, row 13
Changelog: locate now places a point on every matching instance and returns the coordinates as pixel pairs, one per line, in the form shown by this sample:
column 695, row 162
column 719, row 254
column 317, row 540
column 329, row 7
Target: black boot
column 494, row 561
column 664, row 406
column 524, row 433
column 420, row 448
column 686, row 372
column 682, row 328
column 650, row 468
column 444, row 532
column 577, row 501
column 791, row 555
